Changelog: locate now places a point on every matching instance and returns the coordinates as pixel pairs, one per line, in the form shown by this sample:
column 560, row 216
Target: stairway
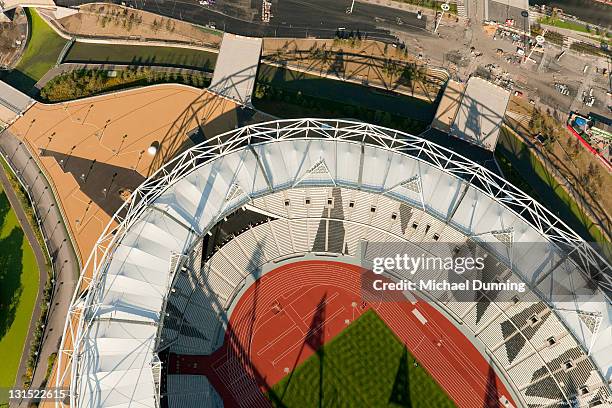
column 461, row 11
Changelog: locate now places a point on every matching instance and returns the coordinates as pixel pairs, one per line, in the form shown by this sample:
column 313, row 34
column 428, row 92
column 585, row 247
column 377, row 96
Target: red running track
column 284, row 317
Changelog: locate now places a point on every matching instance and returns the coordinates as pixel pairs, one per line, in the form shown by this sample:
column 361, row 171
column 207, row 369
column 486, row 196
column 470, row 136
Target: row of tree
column 82, row 83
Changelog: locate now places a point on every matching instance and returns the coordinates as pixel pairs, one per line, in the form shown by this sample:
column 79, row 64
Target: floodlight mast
column 540, row 40
column 445, row 7
column 350, row 9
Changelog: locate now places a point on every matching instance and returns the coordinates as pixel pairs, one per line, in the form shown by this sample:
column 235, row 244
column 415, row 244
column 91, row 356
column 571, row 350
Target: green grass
column 432, row 4
column 18, row 291
column 41, row 53
column 524, row 170
column 364, row 366
column 142, row 55
column 569, row 25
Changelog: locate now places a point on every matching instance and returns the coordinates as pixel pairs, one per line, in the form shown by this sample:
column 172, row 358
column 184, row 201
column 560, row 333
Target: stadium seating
column 191, row 391
column 306, row 224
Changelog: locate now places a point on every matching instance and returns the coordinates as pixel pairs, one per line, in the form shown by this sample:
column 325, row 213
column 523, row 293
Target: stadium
column 182, row 302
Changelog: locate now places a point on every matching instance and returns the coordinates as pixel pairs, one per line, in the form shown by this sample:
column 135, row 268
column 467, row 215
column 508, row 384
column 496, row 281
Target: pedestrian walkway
column 236, row 69
column 65, row 263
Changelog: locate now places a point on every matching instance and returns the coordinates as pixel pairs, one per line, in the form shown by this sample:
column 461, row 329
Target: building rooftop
column 480, row 114
column 449, row 104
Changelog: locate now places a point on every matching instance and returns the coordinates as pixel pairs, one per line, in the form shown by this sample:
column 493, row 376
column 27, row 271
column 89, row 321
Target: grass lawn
column 432, row 4
column 364, row 366
column 569, row 25
column 523, row 169
column 142, row 55
column 18, row 290
column 40, row 55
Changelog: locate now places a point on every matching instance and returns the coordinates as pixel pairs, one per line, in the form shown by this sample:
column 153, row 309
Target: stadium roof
column 481, row 113
column 114, row 324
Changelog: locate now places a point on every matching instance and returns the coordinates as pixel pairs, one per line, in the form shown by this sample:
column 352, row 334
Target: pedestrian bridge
column 236, row 68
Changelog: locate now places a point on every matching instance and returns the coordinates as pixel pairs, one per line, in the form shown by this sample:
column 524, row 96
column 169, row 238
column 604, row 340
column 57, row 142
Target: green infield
column 18, row 290
column 141, row 56
column 43, row 48
column 364, row 366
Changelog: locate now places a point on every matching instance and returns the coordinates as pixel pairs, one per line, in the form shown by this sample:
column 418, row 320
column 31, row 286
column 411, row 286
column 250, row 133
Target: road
column 65, row 263
column 290, row 18
column 42, row 271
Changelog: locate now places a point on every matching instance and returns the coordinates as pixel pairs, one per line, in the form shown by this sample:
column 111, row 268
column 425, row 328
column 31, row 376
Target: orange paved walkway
column 95, row 148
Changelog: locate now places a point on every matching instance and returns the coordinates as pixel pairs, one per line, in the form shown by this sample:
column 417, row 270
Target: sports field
column 309, row 334
column 18, row 288
column 43, row 48
column 365, row 365
column 141, row 55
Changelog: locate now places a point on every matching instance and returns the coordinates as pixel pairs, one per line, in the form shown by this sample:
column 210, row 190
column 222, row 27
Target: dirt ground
column 95, row 149
column 110, row 20
column 366, row 62
column 13, row 36
column 572, row 162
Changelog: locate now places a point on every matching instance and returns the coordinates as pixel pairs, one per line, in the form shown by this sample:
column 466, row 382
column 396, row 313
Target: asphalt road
column 290, row 18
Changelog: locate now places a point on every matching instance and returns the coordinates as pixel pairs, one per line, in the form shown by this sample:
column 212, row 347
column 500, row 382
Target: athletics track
column 291, row 311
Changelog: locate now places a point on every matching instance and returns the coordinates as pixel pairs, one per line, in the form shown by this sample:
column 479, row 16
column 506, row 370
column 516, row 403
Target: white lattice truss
column 541, row 219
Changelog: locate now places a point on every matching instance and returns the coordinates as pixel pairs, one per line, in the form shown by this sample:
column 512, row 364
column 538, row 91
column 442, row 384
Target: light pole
column 445, row 7
column 350, row 9
column 48, row 211
column 41, row 192
column 525, row 15
column 539, row 41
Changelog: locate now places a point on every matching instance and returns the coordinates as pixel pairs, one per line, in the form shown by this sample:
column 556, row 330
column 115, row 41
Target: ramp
column 13, row 103
column 480, row 113
column 236, row 68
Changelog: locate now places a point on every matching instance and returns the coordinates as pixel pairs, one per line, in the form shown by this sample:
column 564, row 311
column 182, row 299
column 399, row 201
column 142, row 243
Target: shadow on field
column 315, row 339
column 5, row 207
column 400, row 394
column 492, row 397
column 10, row 271
column 101, row 182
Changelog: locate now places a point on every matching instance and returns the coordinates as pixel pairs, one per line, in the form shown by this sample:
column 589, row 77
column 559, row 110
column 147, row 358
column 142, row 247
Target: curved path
column 285, row 316
column 42, row 271
column 65, row 263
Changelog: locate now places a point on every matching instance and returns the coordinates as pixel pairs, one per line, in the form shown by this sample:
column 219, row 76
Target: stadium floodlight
column 445, row 7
